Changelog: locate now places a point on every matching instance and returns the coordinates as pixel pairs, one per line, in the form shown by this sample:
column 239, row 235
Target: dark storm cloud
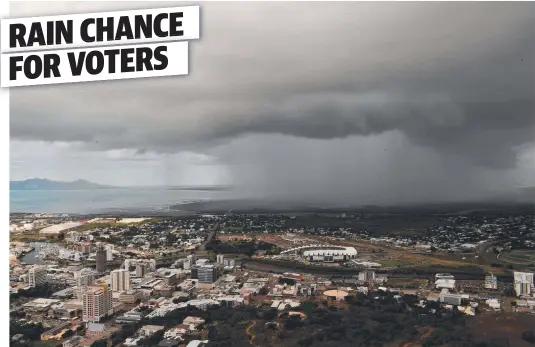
column 454, row 78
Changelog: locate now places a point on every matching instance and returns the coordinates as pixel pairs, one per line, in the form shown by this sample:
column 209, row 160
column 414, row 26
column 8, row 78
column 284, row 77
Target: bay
column 106, row 200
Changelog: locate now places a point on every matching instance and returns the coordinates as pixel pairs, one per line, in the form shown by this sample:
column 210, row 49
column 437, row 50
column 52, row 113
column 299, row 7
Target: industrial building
column 443, row 280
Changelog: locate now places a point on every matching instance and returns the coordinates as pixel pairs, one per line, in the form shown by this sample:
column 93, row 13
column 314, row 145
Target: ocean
column 107, row 200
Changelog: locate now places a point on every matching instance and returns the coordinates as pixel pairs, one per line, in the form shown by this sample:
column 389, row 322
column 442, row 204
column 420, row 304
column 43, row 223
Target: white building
column 493, row 303
column 109, row 252
column 367, row 276
column 120, row 280
column 74, row 236
column 523, row 283
column 37, row 276
column 443, row 276
column 229, row 262
column 220, row 259
column 445, row 283
column 491, row 282
column 149, row 263
column 331, row 255
column 524, row 277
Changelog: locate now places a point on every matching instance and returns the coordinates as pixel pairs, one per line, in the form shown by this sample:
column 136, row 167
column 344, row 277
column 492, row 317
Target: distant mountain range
column 45, row 184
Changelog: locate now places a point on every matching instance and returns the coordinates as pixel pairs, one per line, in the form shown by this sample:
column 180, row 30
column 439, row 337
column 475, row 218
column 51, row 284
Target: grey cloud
column 454, row 78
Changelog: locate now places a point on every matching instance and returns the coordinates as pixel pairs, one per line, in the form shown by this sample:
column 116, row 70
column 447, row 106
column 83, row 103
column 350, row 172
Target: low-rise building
column 149, row 330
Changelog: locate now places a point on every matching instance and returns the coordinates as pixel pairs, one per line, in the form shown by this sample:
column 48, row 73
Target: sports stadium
column 322, row 253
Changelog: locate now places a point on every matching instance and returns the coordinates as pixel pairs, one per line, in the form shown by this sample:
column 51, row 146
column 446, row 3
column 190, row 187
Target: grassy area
column 521, row 257
column 394, row 262
column 407, row 282
column 89, row 226
column 26, row 237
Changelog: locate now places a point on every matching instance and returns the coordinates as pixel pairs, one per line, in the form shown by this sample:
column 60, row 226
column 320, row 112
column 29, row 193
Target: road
column 214, row 230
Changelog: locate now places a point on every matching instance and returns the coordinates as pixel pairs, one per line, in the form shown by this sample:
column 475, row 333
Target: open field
column 415, row 283
column 26, row 237
column 519, row 257
column 396, row 259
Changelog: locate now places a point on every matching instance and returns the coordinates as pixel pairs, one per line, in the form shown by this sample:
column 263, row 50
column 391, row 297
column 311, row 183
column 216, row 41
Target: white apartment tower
column 120, row 280
column 109, row 252
column 37, row 276
column 524, row 283
column 220, row 259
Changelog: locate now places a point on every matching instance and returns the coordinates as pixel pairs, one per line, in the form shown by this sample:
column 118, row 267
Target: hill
column 45, row 184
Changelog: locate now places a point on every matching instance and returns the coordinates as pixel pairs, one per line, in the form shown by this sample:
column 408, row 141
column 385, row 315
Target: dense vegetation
column 529, row 336
column 30, row 331
column 44, row 290
column 366, row 322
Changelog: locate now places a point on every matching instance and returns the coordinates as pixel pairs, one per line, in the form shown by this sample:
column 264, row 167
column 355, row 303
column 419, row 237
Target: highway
column 214, row 230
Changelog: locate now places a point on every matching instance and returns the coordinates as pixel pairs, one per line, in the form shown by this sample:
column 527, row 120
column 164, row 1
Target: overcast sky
column 365, row 102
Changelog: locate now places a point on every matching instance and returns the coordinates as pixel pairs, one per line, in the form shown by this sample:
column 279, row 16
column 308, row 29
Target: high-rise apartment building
column 86, row 247
column 524, row 284
column 229, row 262
column 220, row 259
column 109, row 252
column 120, row 280
column 97, row 303
column 37, row 276
column 142, row 269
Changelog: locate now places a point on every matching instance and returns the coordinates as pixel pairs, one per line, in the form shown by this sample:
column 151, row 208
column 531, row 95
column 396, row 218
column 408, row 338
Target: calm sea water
column 96, row 201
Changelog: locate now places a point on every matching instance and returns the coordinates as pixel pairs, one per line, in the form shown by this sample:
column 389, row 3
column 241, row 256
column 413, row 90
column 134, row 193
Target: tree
column 31, row 331
column 99, row 343
column 67, row 334
column 263, row 291
column 529, row 336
